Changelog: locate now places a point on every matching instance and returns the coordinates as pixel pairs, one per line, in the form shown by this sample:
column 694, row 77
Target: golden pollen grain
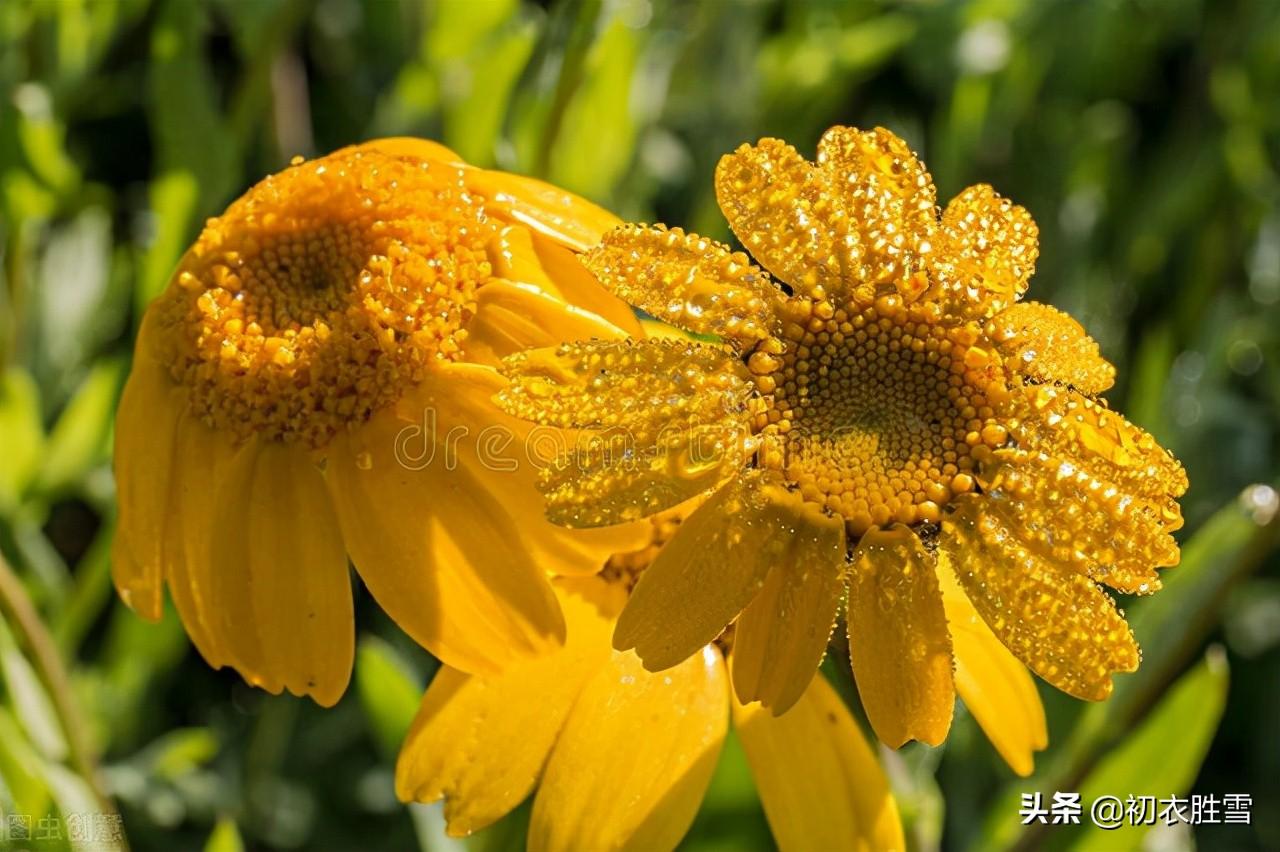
column 883, row 415
column 323, row 293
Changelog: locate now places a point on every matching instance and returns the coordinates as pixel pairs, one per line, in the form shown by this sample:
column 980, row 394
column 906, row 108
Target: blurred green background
column 1143, row 136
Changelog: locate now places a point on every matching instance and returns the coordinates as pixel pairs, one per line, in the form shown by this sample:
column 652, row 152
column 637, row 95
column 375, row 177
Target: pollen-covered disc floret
column 322, row 294
column 879, row 415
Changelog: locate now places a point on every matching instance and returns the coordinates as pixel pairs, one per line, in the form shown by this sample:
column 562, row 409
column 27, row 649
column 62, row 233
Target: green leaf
column 21, row 767
column 21, row 433
column 29, row 699
column 78, row 441
column 224, row 838
column 1175, row 736
column 388, row 691
column 597, row 134
column 180, row 752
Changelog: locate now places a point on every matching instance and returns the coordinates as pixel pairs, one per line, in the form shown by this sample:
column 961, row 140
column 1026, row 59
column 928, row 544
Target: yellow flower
column 886, row 426
column 314, row 383
column 621, row 757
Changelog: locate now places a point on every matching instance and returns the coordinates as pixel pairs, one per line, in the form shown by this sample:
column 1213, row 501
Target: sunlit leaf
column 389, row 692
column 21, row 432
column 224, row 838
column 1173, row 736
column 78, row 440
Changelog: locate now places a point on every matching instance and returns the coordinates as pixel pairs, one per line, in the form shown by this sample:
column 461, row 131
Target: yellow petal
column 889, row 199
column 690, row 281
column 510, row 318
column 818, row 779
column 1043, row 343
column 634, row 759
column 898, row 639
column 997, row 689
column 1063, row 422
column 1088, row 522
column 642, row 386
column 566, row 218
column 145, row 430
column 481, row 742
column 441, row 552
column 1053, row 619
column 984, row 254
column 579, row 287
column 710, row 570
column 202, row 458
column 781, row 636
column 410, row 147
column 279, row 587
column 781, row 209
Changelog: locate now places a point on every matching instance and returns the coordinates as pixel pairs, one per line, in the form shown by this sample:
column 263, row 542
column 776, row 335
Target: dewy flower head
column 332, row 310
column 621, row 757
column 885, row 422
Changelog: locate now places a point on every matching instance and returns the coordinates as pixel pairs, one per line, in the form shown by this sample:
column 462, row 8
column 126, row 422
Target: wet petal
column 889, row 196
column 818, row 779
column 1054, row 619
column 642, row 386
column 782, row 635
column 711, row 569
column 1045, row 344
column 635, row 757
column 984, row 254
column 687, row 280
column 781, row 209
column 898, row 639
column 480, row 742
column 1072, row 515
column 997, row 689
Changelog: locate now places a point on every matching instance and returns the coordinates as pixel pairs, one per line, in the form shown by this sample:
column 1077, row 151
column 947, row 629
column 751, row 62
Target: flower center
column 322, row 294
column 879, row 415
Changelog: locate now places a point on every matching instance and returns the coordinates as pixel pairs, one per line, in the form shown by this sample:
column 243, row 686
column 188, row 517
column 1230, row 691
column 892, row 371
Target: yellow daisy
column 621, row 757
column 885, row 429
column 316, row 382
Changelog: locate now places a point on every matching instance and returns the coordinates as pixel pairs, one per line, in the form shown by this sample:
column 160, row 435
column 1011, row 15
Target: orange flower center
column 323, row 293
column 879, row 415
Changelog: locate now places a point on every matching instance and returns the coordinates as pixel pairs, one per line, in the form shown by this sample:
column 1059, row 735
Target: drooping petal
column 781, row 636
column 481, row 742
column 511, row 318
column 279, row 587
column 898, row 639
column 1043, row 343
column 997, row 689
column 712, row 568
column 145, row 430
column 687, row 280
column 635, row 757
column 781, row 209
column 642, row 386
column 440, row 551
column 203, row 458
column 1054, row 619
column 889, row 198
column 984, row 253
column 818, row 779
